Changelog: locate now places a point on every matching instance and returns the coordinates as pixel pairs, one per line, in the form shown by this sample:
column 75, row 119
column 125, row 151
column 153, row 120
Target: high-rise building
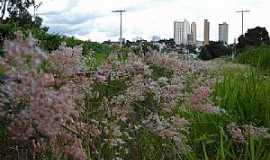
column 181, row 31
column 206, row 32
column 194, row 33
column 190, row 39
column 224, row 32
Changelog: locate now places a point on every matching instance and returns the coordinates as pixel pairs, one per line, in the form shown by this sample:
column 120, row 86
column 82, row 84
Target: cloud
column 93, row 19
column 70, row 19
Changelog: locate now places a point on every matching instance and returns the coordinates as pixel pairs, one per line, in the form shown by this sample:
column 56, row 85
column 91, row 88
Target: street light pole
column 242, row 12
column 121, row 25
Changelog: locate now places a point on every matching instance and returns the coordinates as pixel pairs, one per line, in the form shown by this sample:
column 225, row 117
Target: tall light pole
column 243, row 11
column 121, row 25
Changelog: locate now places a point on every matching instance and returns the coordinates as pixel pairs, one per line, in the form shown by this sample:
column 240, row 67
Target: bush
column 159, row 71
column 214, row 50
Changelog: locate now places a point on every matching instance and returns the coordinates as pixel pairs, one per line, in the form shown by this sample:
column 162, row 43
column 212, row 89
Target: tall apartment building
column 194, row 33
column 206, row 32
column 181, row 32
column 224, row 32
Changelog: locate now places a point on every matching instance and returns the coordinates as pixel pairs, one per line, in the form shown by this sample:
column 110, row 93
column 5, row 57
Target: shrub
column 38, row 116
column 214, row 50
column 159, row 71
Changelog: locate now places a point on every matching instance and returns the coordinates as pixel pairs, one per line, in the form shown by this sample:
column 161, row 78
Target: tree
column 214, row 50
column 3, row 8
column 254, row 37
column 18, row 11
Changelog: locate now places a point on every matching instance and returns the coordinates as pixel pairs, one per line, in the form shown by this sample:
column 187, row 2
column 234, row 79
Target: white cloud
column 92, row 19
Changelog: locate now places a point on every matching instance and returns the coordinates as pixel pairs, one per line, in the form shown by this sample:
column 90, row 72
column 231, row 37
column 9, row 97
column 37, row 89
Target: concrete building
column 206, row 32
column 190, row 39
column 224, row 32
column 181, row 31
column 194, row 33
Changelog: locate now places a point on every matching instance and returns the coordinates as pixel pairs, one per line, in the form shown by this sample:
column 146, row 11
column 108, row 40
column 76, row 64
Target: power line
column 242, row 12
column 121, row 25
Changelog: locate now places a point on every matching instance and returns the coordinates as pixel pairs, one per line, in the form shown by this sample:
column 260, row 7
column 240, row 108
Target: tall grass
column 246, row 95
column 258, row 57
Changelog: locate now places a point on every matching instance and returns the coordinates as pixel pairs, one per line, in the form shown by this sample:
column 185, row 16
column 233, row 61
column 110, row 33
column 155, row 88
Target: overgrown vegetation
column 245, row 94
column 82, row 102
column 159, row 72
column 258, row 57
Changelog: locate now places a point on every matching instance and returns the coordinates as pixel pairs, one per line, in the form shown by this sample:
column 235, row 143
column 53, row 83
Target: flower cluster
column 241, row 134
column 142, row 96
column 167, row 128
column 37, row 111
column 66, row 61
column 112, row 69
column 200, row 101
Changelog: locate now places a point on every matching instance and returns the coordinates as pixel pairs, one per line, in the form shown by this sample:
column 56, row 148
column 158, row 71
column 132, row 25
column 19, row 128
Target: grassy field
column 258, row 57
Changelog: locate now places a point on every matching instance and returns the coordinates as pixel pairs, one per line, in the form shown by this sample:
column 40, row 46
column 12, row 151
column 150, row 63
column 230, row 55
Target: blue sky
column 93, row 19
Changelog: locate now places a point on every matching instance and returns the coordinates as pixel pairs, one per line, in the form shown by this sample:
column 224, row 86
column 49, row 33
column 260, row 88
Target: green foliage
column 206, row 135
column 159, row 71
column 254, row 37
column 6, row 32
column 257, row 57
column 146, row 107
column 245, row 94
column 151, row 147
column 113, row 88
column 208, row 139
column 214, row 50
column 48, row 42
column 99, row 51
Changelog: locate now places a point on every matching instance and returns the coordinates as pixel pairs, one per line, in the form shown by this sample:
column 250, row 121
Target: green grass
column 206, row 134
column 100, row 58
column 148, row 146
column 257, row 57
column 246, row 95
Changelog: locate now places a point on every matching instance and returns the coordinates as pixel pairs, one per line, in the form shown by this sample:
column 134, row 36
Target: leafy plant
column 159, row 71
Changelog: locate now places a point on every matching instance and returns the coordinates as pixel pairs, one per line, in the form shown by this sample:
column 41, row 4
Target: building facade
column 194, row 33
column 181, row 32
column 206, row 32
column 224, row 32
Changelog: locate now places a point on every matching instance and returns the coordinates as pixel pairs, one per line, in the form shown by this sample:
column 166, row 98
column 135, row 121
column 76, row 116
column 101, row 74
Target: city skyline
column 147, row 18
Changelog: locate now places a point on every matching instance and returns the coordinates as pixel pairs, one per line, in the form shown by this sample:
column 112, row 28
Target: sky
column 93, row 19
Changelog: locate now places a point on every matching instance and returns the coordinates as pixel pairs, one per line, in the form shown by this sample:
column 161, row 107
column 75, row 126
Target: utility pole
column 242, row 12
column 121, row 25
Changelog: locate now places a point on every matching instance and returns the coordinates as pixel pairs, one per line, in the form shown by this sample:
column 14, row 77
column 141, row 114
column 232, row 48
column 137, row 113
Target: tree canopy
column 214, row 50
column 254, row 37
